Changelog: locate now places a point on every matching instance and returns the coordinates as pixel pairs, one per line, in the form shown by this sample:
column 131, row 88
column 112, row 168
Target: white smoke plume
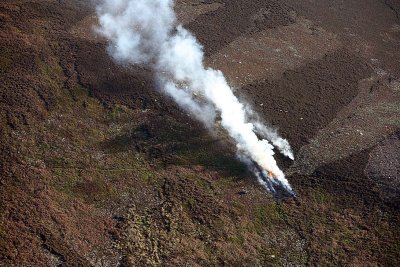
column 272, row 135
column 147, row 32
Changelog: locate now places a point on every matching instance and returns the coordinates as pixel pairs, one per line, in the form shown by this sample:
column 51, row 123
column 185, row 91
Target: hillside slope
column 100, row 169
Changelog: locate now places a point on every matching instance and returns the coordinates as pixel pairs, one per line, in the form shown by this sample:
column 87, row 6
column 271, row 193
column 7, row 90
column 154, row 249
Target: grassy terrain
column 90, row 182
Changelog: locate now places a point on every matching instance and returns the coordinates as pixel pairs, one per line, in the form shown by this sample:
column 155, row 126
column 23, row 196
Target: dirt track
column 98, row 168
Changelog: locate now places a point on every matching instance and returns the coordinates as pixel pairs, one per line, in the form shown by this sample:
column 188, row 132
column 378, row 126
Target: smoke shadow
column 178, row 140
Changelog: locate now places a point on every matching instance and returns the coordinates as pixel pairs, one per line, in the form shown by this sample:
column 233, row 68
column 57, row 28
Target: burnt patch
column 60, row 258
column 217, row 29
column 306, row 99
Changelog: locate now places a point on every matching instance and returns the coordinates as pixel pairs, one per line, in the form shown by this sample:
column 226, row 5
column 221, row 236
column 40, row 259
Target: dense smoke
column 147, row 32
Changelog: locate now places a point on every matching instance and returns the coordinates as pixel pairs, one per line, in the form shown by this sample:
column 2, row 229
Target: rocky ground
column 100, row 169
